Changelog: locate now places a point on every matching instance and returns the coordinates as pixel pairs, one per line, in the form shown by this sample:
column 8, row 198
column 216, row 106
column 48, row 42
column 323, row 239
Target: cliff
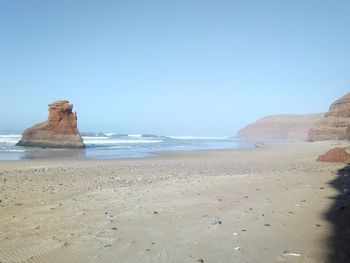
column 280, row 127
column 334, row 125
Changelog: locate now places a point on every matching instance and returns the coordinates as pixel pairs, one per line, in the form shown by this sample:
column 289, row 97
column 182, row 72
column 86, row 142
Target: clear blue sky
column 181, row 67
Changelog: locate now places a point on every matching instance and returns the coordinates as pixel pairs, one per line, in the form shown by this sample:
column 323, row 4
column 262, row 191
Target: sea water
column 112, row 145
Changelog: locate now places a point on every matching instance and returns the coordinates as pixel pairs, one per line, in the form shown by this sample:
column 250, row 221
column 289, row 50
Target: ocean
column 113, row 145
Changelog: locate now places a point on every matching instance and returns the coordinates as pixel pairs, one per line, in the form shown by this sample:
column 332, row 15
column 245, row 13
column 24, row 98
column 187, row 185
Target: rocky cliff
column 335, row 123
column 58, row 131
column 278, row 127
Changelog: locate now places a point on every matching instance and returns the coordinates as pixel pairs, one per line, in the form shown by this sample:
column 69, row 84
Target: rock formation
column 338, row 155
column 335, row 122
column 278, row 127
column 58, row 131
column 347, row 133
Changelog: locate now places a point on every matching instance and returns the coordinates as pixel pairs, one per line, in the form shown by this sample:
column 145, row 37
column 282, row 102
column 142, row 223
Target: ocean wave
column 135, row 135
column 10, row 136
column 111, row 141
column 119, row 147
column 12, row 150
column 198, row 138
column 95, row 137
column 8, row 142
column 9, row 139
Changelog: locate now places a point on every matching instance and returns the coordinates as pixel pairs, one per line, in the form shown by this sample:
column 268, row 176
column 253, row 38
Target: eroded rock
column 58, row 131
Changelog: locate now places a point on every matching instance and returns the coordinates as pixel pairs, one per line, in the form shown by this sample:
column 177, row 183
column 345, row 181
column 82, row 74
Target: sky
column 180, row 67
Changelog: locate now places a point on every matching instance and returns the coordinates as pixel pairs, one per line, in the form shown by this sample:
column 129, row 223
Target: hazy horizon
column 204, row 68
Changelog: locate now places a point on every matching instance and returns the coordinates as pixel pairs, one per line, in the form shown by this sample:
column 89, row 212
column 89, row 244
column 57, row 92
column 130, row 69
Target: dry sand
column 272, row 203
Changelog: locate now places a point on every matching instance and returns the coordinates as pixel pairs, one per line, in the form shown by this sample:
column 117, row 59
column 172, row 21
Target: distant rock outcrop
column 58, row 131
column 280, row 127
column 335, row 123
column 338, row 155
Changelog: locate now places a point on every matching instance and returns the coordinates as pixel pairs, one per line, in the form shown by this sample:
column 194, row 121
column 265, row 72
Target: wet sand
column 257, row 205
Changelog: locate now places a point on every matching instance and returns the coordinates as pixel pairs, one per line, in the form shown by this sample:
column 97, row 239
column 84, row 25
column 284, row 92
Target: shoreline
column 264, row 145
column 270, row 201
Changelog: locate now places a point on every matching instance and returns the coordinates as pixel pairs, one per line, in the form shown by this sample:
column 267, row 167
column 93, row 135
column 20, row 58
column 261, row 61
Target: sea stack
column 58, row 131
column 335, row 123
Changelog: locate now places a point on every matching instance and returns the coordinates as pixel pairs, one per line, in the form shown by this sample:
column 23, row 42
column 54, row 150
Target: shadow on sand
column 339, row 216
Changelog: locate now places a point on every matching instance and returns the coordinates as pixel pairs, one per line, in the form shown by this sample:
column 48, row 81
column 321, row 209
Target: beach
column 267, row 204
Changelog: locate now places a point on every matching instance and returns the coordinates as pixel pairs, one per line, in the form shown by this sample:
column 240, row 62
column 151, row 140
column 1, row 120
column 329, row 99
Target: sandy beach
column 269, row 204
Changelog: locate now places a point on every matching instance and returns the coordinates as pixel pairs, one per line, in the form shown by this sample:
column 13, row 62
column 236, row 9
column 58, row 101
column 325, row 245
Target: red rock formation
column 338, row 155
column 335, row 122
column 277, row 127
column 58, row 131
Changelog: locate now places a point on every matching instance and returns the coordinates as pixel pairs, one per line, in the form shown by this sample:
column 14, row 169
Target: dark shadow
column 339, row 216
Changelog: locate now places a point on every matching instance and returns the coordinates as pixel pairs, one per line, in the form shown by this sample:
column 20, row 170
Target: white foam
column 118, row 141
column 135, row 135
column 119, row 147
column 9, row 139
column 10, row 135
column 16, row 151
column 197, row 138
column 95, row 138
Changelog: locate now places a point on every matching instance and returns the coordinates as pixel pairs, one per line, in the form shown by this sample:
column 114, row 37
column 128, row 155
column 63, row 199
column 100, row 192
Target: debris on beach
column 337, row 155
column 216, row 222
column 287, row 253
